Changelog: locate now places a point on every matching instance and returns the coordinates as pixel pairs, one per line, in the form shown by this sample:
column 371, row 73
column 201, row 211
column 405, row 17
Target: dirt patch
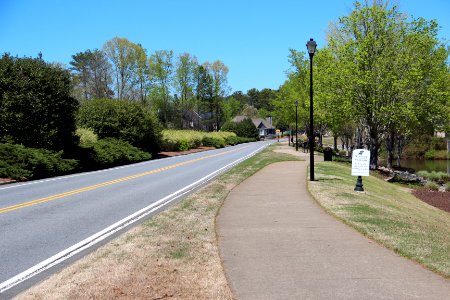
column 437, row 199
column 6, row 180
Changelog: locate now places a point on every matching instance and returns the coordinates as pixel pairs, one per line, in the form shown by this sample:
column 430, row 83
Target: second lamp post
column 311, row 46
column 296, row 126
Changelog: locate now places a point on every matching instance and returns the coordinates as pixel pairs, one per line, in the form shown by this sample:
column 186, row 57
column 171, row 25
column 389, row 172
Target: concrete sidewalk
column 277, row 243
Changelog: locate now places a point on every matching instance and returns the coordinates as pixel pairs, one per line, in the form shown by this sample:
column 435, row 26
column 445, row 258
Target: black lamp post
column 296, row 126
column 311, row 46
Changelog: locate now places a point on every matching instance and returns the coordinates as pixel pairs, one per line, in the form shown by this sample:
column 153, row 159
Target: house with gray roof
column 264, row 126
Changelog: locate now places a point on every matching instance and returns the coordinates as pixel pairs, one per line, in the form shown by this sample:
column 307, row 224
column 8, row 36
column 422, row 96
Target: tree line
column 173, row 87
column 382, row 76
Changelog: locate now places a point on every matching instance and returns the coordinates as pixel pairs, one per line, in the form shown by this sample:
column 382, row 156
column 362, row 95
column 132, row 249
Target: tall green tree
column 392, row 65
column 184, row 79
column 219, row 73
column 36, row 106
column 126, row 58
column 92, row 74
column 160, row 69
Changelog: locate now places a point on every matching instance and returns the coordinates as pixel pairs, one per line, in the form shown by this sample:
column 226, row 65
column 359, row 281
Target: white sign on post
column 360, row 162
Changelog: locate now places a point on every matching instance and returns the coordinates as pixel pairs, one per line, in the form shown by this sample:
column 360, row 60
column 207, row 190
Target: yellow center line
column 106, row 183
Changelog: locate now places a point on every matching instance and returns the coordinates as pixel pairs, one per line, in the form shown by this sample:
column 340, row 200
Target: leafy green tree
column 219, row 72
column 160, row 71
column 204, row 95
column 92, row 74
column 128, row 60
column 121, row 119
column 231, row 108
column 261, row 99
column 184, row 80
column 245, row 128
column 36, row 106
column 391, row 66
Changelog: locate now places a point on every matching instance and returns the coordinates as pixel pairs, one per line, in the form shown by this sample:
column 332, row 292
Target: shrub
column 21, row 163
column 180, row 140
column 432, row 186
column 36, row 106
column 216, row 142
column 245, row 128
column 111, row 152
column 183, row 145
column 437, row 154
column 86, row 136
column 439, row 177
column 438, row 143
column 121, row 119
column 447, row 187
column 235, row 140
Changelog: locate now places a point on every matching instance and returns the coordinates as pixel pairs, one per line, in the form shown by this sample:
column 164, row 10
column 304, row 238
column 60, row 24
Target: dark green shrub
column 121, row 119
column 21, row 163
column 213, row 142
column 245, row 128
column 36, row 106
column 438, row 143
column 232, row 140
column 235, row 140
column 183, row 145
column 111, row 152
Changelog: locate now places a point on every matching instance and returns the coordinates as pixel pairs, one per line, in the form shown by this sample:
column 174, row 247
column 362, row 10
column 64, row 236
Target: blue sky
column 252, row 38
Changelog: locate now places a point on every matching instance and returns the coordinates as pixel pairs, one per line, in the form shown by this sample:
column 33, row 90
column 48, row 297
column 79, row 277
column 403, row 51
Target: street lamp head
column 296, row 103
column 311, row 46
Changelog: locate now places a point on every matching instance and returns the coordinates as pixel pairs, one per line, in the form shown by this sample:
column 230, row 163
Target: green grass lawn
column 386, row 213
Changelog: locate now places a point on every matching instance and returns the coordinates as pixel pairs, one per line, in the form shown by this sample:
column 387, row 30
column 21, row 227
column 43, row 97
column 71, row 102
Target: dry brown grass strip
column 173, row 255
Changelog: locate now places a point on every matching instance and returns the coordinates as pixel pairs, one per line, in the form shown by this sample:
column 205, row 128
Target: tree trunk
column 390, row 143
column 335, row 143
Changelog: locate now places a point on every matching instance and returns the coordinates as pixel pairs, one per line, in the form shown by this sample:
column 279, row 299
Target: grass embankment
column 386, row 213
column 173, row 254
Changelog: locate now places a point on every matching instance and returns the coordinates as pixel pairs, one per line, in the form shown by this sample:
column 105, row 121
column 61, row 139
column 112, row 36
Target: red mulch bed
column 176, row 153
column 440, row 200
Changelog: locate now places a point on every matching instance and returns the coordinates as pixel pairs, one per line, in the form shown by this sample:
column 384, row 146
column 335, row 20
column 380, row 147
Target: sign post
column 360, row 166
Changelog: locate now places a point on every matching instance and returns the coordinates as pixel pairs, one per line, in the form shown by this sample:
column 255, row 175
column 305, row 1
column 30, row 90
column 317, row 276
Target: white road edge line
column 101, row 235
column 21, row 184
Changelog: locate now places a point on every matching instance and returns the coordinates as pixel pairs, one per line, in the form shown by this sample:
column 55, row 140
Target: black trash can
column 327, row 154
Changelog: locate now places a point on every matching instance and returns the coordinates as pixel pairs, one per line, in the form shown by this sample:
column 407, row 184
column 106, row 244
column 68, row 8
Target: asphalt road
column 44, row 222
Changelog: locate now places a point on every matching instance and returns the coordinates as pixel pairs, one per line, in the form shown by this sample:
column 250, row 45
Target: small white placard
column 360, row 162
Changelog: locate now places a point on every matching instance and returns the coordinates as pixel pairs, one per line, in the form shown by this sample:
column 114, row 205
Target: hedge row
column 21, row 163
column 182, row 140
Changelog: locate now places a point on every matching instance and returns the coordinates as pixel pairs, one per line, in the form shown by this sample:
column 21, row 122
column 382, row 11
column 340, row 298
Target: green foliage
column 121, row 119
column 235, row 140
column 216, row 142
column 36, row 108
column 439, row 177
column 438, row 143
column 246, row 128
column 181, row 140
column 86, row 135
column 21, row 163
column 432, row 186
column 111, row 152
column 447, row 187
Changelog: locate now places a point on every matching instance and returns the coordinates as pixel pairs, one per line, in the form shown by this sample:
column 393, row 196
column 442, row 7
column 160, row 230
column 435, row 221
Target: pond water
column 426, row 165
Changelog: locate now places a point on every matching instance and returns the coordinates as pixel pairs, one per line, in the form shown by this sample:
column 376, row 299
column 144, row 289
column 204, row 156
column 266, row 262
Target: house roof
column 258, row 122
